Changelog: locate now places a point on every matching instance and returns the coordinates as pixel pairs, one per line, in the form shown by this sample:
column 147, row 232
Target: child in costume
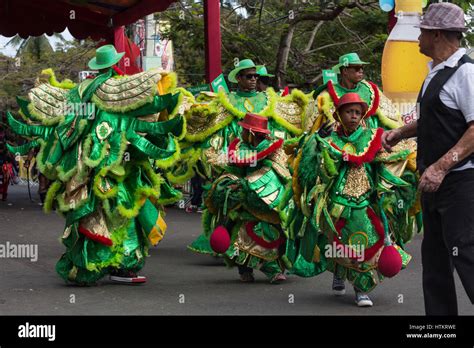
column 99, row 144
column 243, row 202
column 354, row 204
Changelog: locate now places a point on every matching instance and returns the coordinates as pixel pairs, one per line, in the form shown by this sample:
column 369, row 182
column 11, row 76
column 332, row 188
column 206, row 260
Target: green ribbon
column 26, row 129
column 23, row 149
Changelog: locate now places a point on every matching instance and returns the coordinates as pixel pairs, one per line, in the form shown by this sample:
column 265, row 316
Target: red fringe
column 95, row 237
column 374, row 147
column 374, row 219
column 245, row 162
column 332, row 93
column 369, row 155
column 260, row 241
column 375, row 104
column 118, row 70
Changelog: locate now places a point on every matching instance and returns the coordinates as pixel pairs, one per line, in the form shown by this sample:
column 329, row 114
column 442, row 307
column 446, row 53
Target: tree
column 296, row 39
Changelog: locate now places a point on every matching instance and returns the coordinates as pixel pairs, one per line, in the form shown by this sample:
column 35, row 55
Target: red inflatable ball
column 390, row 261
column 220, row 240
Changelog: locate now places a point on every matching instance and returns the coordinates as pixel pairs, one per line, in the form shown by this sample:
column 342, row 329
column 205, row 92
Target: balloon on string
column 387, row 5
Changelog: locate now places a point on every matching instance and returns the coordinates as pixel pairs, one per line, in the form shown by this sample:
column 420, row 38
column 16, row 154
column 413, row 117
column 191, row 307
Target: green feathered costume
column 349, row 194
column 245, row 200
column 212, row 124
column 100, row 142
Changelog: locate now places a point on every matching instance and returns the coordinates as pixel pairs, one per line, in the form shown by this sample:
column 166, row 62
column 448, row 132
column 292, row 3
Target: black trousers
column 196, row 184
column 448, row 242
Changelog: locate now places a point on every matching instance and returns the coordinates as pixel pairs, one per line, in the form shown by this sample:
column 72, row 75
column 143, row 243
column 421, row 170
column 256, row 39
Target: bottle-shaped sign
column 403, row 66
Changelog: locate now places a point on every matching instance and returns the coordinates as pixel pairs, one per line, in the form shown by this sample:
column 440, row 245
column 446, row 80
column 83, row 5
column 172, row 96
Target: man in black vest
column 445, row 159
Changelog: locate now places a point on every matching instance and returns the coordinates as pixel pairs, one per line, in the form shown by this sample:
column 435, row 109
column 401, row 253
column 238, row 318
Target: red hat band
column 255, row 123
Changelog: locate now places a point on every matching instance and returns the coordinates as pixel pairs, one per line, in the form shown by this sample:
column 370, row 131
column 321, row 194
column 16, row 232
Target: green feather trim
column 118, row 237
column 44, row 120
column 206, row 111
column 87, row 151
column 297, row 97
column 225, row 102
column 189, row 159
column 182, row 94
column 180, row 179
column 50, row 195
column 170, row 161
column 65, row 207
column 96, row 186
column 167, row 201
column 140, row 194
column 387, row 122
column 329, row 163
column 45, row 169
column 65, row 84
column 327, row 105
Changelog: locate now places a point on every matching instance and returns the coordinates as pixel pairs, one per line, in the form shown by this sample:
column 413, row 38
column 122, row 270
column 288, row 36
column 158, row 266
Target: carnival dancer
column 98, row 143
column 354, row 204
column 263, row 81
column 6, row 171
column 351, row 80
column 244, row 200
column 212, row 125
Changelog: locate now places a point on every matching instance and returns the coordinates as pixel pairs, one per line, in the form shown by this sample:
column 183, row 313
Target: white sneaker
column 338, row 286
column 362, row 299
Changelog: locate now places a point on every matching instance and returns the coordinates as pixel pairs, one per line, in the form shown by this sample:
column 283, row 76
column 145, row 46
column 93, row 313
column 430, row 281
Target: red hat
column 255, row 123
column 353, row 98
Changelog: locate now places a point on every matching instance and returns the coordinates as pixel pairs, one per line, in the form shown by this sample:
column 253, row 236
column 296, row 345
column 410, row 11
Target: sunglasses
column 357, row 68
column 250, row 76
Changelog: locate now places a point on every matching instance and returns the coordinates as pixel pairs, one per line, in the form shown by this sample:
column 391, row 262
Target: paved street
column 174, row 273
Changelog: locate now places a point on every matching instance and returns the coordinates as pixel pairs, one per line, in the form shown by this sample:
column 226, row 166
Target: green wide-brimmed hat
column 346, row 60
column 105, row 57
column 262, row 71
column 243, row 64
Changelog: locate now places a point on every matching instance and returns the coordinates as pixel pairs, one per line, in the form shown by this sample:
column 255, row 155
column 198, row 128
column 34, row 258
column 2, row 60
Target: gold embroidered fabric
column 199, row 121
column 251, row 178
column 280, row 163
column 48, row 101
column 405, row 144
column 387, row 108
column 310, row 115
column 95, row 223
column 246, row 244
column 117, row 93
column 357, row 182
column 76, row 188
column 290, row 112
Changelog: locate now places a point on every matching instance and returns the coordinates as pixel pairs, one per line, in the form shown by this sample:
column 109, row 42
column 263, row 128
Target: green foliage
column 18, row 74
column 255, row 29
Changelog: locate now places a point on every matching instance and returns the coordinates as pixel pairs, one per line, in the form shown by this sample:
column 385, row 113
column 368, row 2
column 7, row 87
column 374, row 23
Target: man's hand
column 432, row 178
column 391, row 138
